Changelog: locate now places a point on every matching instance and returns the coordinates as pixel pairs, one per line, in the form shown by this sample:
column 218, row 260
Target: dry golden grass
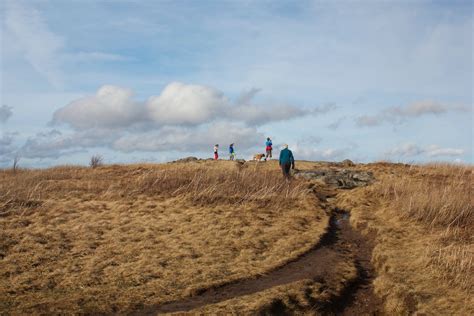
column 114, row 238
column 424, row 219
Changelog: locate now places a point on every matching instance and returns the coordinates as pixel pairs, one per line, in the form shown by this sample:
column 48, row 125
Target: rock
column 240, row 160
column 345, row 179
column 347, row 163
column 187, row 159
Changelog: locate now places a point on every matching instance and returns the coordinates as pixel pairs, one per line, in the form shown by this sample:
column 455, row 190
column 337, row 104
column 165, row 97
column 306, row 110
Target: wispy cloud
column 96, row 57
column 43, row 48
column 335, row 125
column 411, row 150
column 398, row 114
column 38, row 44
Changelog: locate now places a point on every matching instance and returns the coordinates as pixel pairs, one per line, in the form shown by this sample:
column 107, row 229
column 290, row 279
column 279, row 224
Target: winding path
column 339, row 242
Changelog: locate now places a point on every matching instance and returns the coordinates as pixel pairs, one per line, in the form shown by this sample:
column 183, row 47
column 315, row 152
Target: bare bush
column 96, row 161
column 16, row 161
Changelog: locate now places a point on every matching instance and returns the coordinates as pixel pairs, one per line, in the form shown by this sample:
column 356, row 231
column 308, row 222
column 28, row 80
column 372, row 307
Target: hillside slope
column 207, row 237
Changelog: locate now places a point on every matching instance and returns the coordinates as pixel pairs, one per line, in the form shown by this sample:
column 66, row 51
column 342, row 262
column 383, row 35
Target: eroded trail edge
column 339, row 243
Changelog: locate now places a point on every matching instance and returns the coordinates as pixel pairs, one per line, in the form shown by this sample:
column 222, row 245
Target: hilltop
column 210, row 237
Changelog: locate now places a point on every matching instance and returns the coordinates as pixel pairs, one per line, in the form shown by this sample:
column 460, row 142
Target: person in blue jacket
column 268, row 148
column 287, row 161
column 231, row 151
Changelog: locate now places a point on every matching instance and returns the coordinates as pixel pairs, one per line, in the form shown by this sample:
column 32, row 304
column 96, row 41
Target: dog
column 258, row 157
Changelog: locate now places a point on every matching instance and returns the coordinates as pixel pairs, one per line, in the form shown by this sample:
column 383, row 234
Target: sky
column 154, row 81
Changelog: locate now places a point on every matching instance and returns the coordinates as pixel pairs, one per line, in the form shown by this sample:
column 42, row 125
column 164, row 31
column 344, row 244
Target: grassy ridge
column 113, row 238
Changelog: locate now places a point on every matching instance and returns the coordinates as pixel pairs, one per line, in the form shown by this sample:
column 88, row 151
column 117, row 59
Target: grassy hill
column 133, row 238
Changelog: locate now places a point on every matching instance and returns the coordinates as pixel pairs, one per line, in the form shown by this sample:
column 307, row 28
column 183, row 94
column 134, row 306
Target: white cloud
column 110, row 107
column 186, row 104
column 420, row 108
column 178, row 104
column 431, row 151
column 437, row 151
column 398, row 114
column 5, row 113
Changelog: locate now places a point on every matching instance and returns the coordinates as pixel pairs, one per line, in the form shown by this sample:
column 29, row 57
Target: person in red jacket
column 216, row 151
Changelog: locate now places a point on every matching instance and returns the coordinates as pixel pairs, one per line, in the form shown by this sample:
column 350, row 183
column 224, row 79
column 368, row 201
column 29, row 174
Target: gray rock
column 187, row 159
column 347, row 163
column 345, row 179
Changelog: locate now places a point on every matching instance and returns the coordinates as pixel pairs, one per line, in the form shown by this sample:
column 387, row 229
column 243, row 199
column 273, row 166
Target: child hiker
column 231, row 152
column 216, row 153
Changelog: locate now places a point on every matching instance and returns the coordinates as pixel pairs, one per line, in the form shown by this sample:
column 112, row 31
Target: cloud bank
column 178, row 104
column 182, row 118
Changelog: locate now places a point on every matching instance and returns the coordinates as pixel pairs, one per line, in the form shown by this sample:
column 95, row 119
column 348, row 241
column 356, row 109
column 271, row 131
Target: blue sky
column 158, row 80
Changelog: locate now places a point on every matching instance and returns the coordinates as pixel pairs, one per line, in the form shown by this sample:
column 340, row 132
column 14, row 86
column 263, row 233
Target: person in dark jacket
column 287, row 161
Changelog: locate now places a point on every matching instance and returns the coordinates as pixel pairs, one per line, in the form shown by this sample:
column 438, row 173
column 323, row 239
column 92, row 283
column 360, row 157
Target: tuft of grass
column 439, row 195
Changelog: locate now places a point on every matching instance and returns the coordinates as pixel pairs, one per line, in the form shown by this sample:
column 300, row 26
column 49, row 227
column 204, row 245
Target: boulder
column 345, row 179
column 187, row 159
column 347, row 163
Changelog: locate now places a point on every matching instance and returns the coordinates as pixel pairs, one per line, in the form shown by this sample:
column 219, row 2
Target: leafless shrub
column 16, row 161
column 96, row 161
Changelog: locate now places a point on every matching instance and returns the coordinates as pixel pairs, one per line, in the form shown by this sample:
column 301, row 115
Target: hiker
column 231, row 151
column 286, row 161
column 268, row 148
column 216, row 153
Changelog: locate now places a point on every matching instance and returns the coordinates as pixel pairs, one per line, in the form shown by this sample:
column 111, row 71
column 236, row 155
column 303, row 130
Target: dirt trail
column 339, row 241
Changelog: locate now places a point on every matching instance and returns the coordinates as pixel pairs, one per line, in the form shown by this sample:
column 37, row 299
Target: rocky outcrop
column 187, row 159
column 347, row 163
column 345, row 179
